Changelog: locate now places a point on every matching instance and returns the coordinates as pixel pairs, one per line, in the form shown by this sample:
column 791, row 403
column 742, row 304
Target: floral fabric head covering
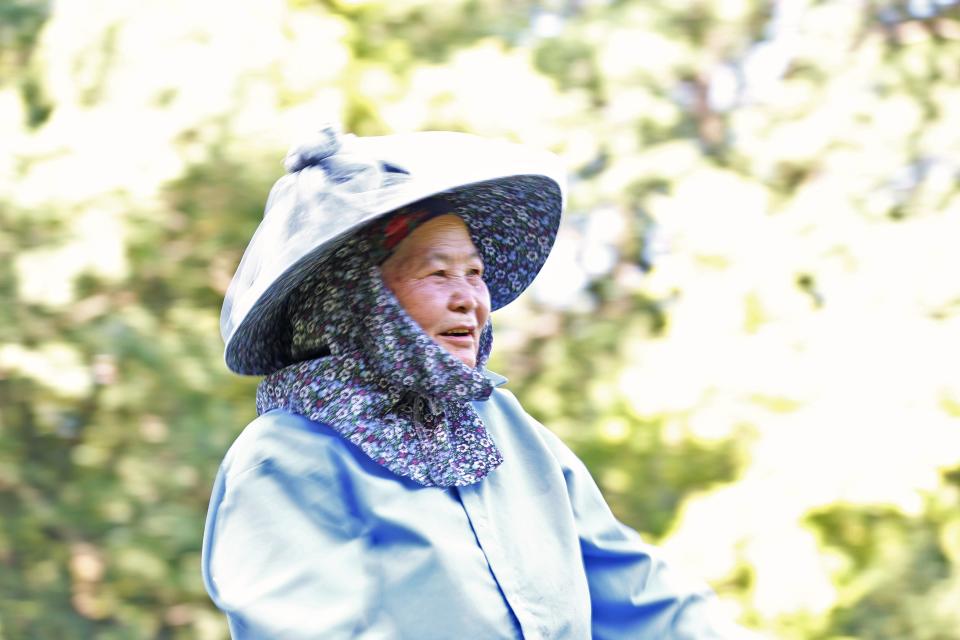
column 309, row 309
column 510, row 196
column 382, row 383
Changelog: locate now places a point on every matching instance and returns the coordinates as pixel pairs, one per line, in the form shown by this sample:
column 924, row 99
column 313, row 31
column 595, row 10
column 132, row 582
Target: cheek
column 422, row 302
column 484, row 297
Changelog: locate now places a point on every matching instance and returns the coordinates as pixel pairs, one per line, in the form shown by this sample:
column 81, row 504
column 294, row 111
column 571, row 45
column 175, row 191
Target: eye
column 475, row 272
column 440, row 273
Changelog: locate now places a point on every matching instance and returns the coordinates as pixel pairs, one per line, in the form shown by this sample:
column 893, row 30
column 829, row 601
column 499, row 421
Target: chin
column 467, row 360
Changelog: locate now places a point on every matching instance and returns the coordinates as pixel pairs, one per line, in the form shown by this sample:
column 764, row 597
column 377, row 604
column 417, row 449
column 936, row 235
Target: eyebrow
column 419, row 261
column 441, row 256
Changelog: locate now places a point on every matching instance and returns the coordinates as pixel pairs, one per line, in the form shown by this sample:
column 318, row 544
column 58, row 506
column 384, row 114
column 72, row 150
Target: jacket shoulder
column 507, row 408
column 281, row 437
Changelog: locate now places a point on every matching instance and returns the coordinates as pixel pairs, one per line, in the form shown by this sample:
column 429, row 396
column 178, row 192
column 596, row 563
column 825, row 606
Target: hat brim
column 512, row 220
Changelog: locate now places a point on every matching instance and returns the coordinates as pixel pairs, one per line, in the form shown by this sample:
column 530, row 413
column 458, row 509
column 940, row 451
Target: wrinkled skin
column 437, row 276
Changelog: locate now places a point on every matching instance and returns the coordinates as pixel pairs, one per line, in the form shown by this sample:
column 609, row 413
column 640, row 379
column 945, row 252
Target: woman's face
column 437, row 275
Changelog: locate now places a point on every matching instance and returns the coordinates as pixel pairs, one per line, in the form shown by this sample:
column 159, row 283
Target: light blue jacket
column 306, row 537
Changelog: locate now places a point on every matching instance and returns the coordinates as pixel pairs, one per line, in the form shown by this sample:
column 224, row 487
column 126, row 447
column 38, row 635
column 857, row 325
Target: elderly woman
column 390, row 487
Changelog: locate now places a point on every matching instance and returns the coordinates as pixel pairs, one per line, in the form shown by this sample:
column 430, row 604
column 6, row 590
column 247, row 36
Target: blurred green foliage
column 897, row 572
column 746, row 335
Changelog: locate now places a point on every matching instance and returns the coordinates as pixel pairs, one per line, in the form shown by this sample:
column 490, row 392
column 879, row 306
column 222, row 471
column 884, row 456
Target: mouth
column 459, row 334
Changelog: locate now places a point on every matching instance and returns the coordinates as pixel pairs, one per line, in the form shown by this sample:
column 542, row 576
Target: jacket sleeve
column 634, row 593
column 283, row 556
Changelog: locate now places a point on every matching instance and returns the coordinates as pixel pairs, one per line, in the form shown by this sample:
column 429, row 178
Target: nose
column 463, row 298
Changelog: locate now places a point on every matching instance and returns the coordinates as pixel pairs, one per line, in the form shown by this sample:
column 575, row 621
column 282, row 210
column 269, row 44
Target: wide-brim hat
column 509, row 195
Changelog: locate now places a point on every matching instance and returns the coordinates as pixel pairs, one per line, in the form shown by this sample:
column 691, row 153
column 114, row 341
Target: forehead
column 445, row 236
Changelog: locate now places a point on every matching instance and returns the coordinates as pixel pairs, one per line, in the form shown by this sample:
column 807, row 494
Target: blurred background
column 749, row 328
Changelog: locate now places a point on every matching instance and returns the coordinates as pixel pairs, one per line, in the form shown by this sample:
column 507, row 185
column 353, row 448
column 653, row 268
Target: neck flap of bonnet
column 385, row 386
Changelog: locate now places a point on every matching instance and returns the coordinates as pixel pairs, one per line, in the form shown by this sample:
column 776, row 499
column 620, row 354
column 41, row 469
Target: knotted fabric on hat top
column 385, row 386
